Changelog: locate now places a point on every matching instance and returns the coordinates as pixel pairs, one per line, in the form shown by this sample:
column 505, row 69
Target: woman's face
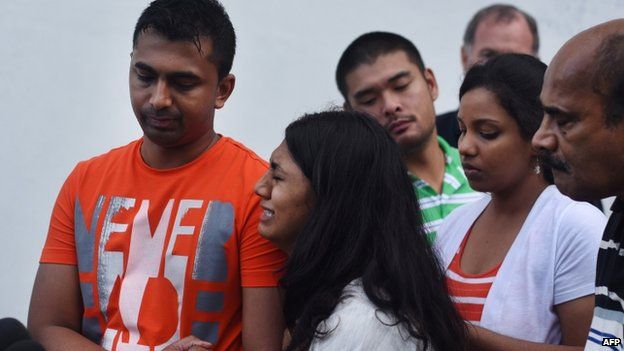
column 286, row 199
column 494, row 155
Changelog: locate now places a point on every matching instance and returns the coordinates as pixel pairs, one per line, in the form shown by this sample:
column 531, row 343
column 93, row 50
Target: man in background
column 496, row 29
column 383, row 74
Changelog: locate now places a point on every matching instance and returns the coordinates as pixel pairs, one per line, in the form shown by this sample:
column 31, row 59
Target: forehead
column 156, row 50
column 504, row 35
column 386, row 66
column 568, row 84
column 281, row 156
column 481, row 104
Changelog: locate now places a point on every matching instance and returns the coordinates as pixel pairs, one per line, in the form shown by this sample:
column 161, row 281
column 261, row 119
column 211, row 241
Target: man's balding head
column 582, row 134
column 498, row 29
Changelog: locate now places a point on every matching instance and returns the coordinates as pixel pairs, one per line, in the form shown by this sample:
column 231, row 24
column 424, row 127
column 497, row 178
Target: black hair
column 516, row 81
column 501, row 13
column 190, row 20
column 608, row 80
column 367, row 48
column 365, row 223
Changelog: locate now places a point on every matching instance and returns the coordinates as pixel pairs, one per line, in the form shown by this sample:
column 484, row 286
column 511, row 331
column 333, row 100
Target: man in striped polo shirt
column 383, row 74
column 582, row 139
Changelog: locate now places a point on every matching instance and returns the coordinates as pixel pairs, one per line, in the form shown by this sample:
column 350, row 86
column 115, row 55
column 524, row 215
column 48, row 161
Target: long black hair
column 365, row 223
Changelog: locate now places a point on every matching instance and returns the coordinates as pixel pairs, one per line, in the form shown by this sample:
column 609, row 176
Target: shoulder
column 571, row 215
column 112, row 157
column 236, row 151
column 357, row 324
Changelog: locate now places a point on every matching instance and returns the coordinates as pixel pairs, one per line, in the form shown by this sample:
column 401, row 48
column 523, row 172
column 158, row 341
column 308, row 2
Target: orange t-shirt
column 162, row 254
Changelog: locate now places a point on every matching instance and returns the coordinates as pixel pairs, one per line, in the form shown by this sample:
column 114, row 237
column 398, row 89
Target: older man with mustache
column 582, row 139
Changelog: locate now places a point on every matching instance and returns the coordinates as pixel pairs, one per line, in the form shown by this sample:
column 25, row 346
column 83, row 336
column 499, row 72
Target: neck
column 166, row 157
column 427, row 162
column 519, row 199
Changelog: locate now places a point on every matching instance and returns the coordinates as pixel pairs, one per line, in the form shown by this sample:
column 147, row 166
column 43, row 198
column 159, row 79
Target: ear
column 431, row 83
column 464, row 57
column 224, row 90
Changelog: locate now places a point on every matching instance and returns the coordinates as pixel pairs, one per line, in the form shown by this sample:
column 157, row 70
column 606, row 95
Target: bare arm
column 55, row 313
column 574, row 316
column 263, row 321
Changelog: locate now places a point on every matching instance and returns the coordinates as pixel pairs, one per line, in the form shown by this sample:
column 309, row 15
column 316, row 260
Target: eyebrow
column 275, row 166
column 553, row 111
column 358, row 95
column 175, row 75
column 480, row 120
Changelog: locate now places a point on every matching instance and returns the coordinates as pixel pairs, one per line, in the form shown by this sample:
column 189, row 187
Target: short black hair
column 608, row 80
column 516, row 81
column 189, row 20
column 501, row 12
column 367, row 48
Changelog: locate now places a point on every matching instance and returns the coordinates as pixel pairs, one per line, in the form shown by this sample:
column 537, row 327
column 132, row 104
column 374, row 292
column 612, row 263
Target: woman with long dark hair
column 360, row 273
column 520, row 262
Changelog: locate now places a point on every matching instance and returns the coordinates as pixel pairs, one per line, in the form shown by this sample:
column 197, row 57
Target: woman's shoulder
column 570, row 214
column 357, row 324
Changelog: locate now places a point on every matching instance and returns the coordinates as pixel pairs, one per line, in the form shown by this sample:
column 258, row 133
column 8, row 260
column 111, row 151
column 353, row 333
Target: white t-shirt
column 357, row 324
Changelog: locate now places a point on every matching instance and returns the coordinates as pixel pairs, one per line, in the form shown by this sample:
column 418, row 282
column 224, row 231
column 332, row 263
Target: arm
column 575, row 317
column 55, row 313
column 263, row 322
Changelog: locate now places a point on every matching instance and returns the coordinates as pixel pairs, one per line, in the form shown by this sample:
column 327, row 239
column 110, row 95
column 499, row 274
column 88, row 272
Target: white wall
column 64, row 95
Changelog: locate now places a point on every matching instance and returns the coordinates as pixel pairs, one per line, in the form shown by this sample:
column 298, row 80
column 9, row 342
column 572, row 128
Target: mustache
column 549, row 160
column 151, row 112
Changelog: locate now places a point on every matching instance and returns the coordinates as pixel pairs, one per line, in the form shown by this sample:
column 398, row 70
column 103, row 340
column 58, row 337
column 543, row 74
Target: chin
column 409, row 143
column 575, row 191
column 264, row 233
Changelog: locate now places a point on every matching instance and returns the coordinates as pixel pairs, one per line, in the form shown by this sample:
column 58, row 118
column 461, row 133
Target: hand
column 190, row 343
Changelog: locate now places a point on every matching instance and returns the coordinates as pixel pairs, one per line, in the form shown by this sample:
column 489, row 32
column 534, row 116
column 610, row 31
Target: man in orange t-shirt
column 154, row 245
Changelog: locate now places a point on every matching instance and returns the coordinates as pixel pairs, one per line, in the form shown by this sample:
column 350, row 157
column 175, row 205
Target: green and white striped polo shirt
column 455, row 192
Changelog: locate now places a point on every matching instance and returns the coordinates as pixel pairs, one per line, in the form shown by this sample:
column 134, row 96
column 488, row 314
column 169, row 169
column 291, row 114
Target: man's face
column 498, row 37
column 174, row 90
column 586, row 155
column 396, row 93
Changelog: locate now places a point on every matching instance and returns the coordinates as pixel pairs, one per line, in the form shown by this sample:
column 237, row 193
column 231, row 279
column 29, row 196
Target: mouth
column 267, row 214
column 161, row 122
column 399, row 126
column 470, row 170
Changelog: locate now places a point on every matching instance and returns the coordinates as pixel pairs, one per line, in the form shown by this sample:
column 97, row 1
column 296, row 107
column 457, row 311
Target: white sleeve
column 579, row 231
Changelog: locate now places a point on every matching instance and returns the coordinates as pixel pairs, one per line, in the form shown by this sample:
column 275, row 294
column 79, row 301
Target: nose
column 466, row 145
column 544, row 138
column 161, row 97
column 391, row 105
column 262, row 187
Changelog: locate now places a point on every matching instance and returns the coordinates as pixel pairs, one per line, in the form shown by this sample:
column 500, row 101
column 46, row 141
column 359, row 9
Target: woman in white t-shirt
column 521, row 261
column 360, row 273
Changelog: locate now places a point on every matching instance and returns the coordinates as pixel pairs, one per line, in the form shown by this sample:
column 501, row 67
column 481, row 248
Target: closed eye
column 489, row 135
column 401, row 87
column 184, row 86
column 144, row 77
column 367, row 102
